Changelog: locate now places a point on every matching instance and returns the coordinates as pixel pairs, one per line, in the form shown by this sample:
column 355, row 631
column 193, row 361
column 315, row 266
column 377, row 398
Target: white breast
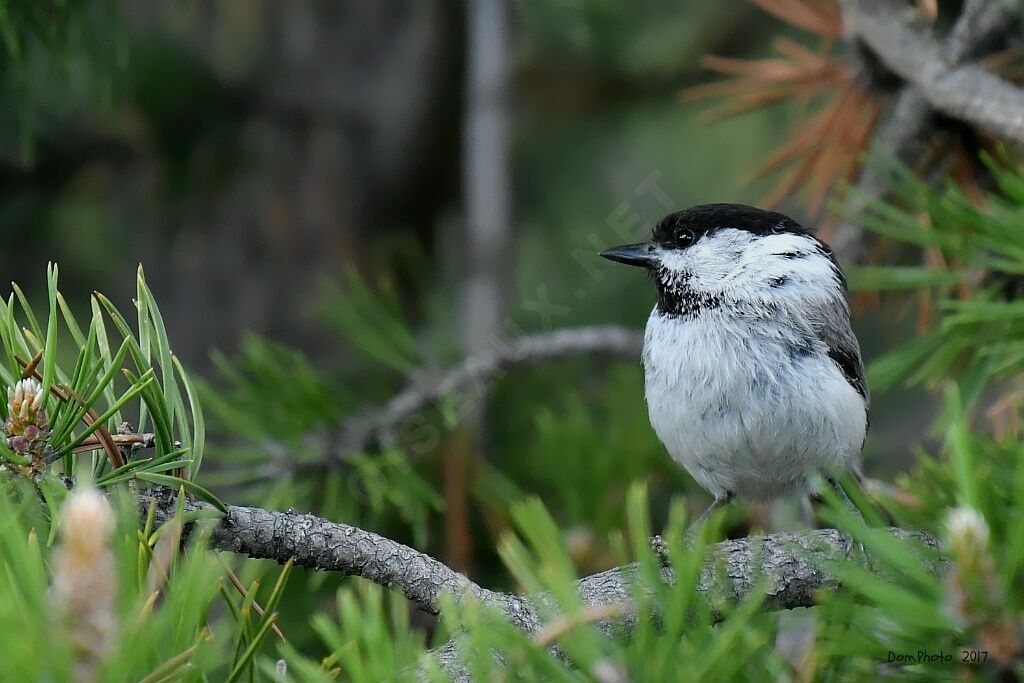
column 746, row 409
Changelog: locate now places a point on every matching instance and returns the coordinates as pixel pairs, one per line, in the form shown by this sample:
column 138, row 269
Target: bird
column 753, row 376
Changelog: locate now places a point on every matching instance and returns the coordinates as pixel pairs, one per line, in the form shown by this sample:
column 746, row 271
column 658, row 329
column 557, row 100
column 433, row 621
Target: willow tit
column 752, row 375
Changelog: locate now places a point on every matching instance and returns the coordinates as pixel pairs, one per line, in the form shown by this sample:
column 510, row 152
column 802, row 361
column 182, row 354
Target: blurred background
column 246, row 153
column 334, row 200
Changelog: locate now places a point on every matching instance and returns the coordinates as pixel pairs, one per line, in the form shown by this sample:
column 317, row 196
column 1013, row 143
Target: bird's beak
column 642, row 254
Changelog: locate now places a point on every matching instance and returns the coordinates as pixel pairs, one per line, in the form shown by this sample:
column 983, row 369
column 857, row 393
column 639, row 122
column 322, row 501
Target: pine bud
column 974, row 594
column 85, row 580
column 27, row 427
column 971, row 583
column 968, row 531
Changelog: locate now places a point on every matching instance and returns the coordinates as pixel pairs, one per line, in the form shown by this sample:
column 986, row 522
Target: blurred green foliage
column 57, row 57
column 564, row 474
column 975, row 266
column 573, row 435
column 617, row 38
column 578, row 443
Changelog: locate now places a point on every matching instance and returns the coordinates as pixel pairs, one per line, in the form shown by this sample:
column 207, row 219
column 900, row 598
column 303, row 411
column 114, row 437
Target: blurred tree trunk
column 487, row 198
column 486, row 170
column 347, row 133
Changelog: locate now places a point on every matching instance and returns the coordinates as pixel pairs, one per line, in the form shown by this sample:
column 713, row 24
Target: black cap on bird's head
column 682, row 229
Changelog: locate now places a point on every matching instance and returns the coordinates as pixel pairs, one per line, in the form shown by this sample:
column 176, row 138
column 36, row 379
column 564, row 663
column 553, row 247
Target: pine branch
column 980, row 19
column 330, row 546
column 899, row 138
column 966, row 92
column 900, row 135
column 476, row 373
column 794, row 567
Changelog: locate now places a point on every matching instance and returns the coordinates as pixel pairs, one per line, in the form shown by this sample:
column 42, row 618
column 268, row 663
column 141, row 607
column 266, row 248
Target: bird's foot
column 852, row 544
column 698, row 524
column 660, row 548
column 856, row 551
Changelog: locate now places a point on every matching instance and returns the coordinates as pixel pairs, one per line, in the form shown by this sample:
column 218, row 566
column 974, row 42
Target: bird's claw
column 660, row 548
column 855, row 549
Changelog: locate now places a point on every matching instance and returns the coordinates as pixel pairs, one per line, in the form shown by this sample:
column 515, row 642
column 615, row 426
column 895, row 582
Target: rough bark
column 331, row 546
column 794, row 567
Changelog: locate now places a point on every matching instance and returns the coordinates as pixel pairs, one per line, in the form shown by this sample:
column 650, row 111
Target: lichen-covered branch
column 332, row 546
column 794, row 567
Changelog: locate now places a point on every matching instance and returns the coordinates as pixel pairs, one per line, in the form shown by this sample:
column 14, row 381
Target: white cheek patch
column 675, row 260
column 711, row 261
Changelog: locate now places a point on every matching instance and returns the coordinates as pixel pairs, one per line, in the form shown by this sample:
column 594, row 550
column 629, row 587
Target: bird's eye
column 686, row 237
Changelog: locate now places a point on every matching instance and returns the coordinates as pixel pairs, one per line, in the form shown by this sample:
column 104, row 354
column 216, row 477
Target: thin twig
column 555, row 629
column 147, row 440
column 477, row 373
column 29, row 368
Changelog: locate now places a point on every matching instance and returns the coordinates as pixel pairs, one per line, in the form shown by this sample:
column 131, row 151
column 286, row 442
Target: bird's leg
column 807, row 511
column 658, row 544
column 835, row 486
column 720, row 500
column 845, row 499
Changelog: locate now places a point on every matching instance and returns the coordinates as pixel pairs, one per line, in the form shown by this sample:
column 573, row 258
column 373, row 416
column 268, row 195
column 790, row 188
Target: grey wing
column 832, row 327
